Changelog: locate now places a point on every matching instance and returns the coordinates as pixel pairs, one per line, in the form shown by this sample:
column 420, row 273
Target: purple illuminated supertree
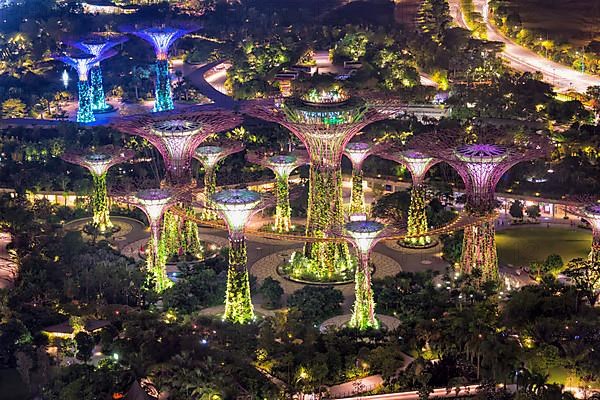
column 325, row 122
column 589, row 210
column 177, row 135
column 82, row 63
column 358, row 152
column 161, row 38
column 481, row 159
column 282, row 166
column 98, row 161
column 154, row 203
column 98, row 45
column 418, row 164
column 210, row 156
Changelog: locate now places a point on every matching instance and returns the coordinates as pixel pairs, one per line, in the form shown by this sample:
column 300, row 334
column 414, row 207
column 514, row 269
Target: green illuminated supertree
column 98, row 161
column 358, row 152
column 210, row 156
column 325, row 122
column 282, row 166
column 154, row 203
column 236, row 207
column 418, row 164
column 481, row 158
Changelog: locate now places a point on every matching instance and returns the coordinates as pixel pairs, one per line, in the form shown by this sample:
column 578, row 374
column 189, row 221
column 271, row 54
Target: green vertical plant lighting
column 100, row 208
column 358, row 152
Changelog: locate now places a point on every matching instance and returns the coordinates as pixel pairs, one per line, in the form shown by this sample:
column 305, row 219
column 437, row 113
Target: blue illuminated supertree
column 99, row 45
column 83, row 63
column 161, row 38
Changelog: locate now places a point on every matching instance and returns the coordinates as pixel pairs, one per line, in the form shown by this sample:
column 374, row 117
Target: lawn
column 519, row 246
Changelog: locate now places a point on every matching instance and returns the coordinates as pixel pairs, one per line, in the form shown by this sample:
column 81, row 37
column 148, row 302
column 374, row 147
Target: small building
column 105, row 7
column 65, row 330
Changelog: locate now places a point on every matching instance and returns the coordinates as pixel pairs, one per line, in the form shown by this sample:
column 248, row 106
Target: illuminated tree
column 358, row 152
column 282, row 166
column 177, row 135
column 154, row 203
column 325, row 122
column 363, row 235
column 210, row 156
column 236, row 207
column 418, row 164
column 481, row 159
column 98, row 161
column 98, row 45
column 83, row 63
column 590, row 211
column 161, row 38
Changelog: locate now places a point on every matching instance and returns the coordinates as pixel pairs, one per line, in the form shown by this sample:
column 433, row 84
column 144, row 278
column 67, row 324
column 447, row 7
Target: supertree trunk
column 100, row 208
column 238, row 302
column 357, row 196
column 210, row 187
column 479, row 251
column 283, row 211
column 156, row 261
column 171, row 236
column 164, row 99
column 417, row 217
column 192, row 244
column 98, row 98
column 84, row 112
column 325, row 209
column 363, row 312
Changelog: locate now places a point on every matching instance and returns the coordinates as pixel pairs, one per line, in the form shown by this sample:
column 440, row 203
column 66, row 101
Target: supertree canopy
column 83, row 63
column 177, row 135
column 210, row 156
column 154, row 203
column 236, row 206
column 161, row 38
column 590, row 211
column 418, row 164
column 98, row 46
column 98, row 161
column 282, row 166
column 481, row 159
column 325, row 122
column 358, row 152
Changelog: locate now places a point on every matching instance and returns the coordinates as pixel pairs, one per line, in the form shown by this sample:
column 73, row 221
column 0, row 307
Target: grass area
column 520, row 246
column 11, row 386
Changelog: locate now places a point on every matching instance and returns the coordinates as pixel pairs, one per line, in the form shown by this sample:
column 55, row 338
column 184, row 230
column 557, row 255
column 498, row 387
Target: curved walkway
column 198, row 79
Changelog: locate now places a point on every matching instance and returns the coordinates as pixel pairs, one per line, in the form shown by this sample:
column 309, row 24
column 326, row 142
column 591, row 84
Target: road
column 437, row 394
column 563, row 78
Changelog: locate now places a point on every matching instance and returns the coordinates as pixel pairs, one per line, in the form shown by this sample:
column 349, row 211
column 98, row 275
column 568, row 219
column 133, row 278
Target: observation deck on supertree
column 98, row 161
column 358, row 152
column 210, row 156
column 481, row 159
column 418, row 164
column 236, row 207
column 589, row 210
column 98, row 46
column 177, row 135
column 154, row 203
column 82, row 63
column 325, row 122
column 162, row 38
column 282, row 166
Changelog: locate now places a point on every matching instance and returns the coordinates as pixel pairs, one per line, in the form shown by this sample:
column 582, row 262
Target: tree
column 84, row 343
column 533, row 211
column 24, row 365
column 516, row 209
column 13, row 108
column 316, row 303
column 586, row 276
column 272, row 291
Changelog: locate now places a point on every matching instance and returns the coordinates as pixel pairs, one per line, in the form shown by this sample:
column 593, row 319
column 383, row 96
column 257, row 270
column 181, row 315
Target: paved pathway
column 339, row 321
column 8, row 269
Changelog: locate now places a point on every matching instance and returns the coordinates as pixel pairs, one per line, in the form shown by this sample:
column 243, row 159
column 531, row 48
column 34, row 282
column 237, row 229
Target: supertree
column 418, row 164
column 83, row 63
column 358, row 152
column 154, row 203
column 364, row 235
column 236, row 207
column 98, row 45
column 177, row 135
column 161, row 38
column 98, row 161
column 210, row 156
column 325, row 122
column 282, row 166
column 481, row 158
column 589, row 210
